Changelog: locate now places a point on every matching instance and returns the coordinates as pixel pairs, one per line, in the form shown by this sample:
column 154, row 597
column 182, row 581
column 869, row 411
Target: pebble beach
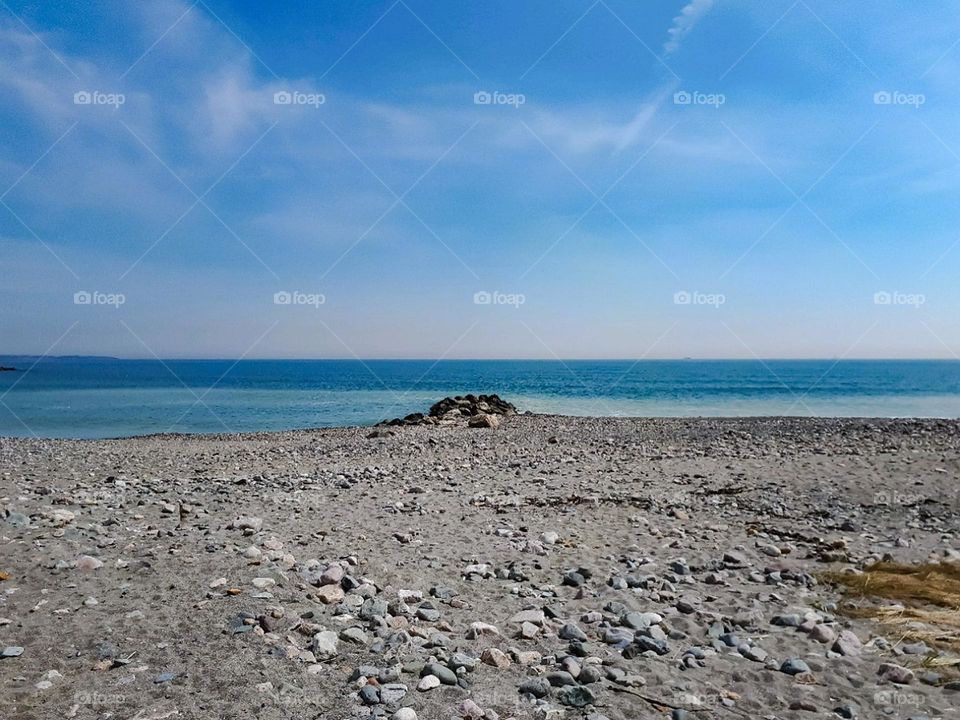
column 530, row 567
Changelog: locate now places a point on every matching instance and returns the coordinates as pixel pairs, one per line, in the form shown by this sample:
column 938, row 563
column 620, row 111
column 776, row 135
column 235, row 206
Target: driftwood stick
column 653, row 700
column 666, row 704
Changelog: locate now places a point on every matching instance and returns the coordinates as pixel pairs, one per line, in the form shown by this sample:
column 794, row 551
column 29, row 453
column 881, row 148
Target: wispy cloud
column 301, row 199
column 683, row 23
column 598, row 130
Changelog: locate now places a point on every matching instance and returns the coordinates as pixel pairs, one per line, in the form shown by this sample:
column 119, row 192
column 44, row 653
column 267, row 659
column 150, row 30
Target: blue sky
column 670, row 178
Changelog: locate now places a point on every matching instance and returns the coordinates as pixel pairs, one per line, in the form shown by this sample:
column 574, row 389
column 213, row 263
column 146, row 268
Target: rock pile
column 480, row 411
column 471, row 405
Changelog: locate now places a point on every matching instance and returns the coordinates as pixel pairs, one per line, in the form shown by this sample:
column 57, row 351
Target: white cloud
column 598, row 129
column 684, row 23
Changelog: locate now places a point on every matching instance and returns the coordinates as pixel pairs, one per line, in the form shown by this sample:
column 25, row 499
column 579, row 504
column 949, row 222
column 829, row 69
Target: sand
column 134, row 592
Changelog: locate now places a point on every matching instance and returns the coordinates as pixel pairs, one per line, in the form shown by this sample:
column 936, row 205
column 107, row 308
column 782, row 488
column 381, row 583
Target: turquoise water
column 86, row 398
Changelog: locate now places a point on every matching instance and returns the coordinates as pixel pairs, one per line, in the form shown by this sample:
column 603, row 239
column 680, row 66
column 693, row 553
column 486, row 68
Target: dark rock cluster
column 478, row 410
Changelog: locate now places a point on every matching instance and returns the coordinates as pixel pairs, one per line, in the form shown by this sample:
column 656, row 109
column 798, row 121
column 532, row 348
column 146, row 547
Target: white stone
column 478, row 629
column 535, row 617
column 87, row 563
column 60, row 517
column 408, row 596
column 428, row 682
column 253, row 553
column 325, row 645
column 469, row 709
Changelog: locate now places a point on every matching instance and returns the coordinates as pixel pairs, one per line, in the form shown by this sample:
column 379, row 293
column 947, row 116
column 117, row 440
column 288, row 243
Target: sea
column 105, row 397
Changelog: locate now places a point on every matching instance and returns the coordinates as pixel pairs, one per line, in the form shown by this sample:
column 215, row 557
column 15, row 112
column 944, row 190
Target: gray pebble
column 370, row 695
column 538, row 687
column 794, row 666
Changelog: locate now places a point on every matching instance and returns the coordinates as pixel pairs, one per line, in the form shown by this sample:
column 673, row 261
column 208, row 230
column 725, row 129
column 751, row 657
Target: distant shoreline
column 777, row 427
column 548, row 359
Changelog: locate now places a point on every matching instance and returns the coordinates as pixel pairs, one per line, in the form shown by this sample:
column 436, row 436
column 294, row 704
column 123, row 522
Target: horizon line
column 39, row 357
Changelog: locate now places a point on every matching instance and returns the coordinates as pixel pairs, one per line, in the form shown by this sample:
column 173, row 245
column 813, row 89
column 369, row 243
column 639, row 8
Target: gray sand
column 680, row 539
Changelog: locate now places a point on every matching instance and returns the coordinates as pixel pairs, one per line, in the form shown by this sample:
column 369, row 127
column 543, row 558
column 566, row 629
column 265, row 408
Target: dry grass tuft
column 916, row 588
column 930, row 584
column 933, row 627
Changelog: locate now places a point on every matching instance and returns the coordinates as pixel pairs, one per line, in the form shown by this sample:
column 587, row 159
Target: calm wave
column 84, row 398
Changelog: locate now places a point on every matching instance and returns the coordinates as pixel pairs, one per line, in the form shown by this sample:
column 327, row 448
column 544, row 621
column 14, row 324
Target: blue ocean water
column 95, row 398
